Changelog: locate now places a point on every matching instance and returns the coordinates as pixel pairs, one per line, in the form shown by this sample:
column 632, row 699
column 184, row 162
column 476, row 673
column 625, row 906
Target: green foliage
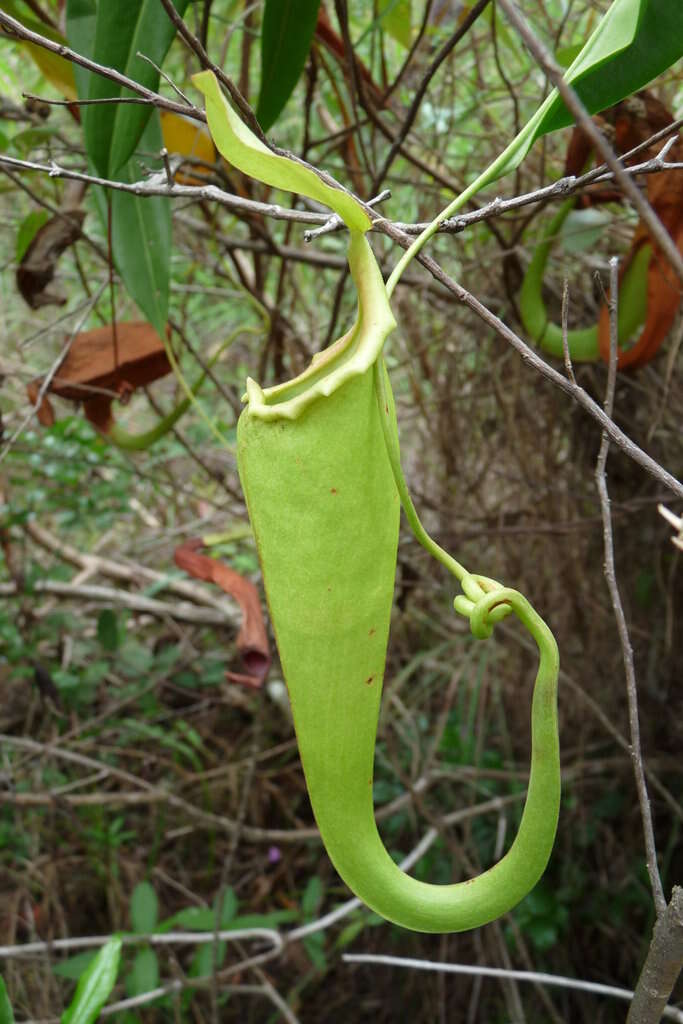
column 108, row 629
column 74, row 966
column 6, row 1013
column 143, row 975
column 286, row 33
column 95, row 985
column 28, row 229
column 113, row 35
column 176, row 708
column 395, row 18
column 144, row 908
column 543, row 917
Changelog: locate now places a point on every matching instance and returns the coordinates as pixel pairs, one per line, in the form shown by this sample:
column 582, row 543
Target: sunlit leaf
column 395, row 18
column 95, row 985
column 188, row 138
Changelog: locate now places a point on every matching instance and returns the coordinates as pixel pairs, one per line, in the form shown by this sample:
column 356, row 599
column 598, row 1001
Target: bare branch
column 610, row 576
column 16, row 30
column 537, row 977
column 662, row 966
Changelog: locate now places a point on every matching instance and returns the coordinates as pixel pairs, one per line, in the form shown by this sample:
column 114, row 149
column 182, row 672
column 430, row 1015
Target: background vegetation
column 141, row 790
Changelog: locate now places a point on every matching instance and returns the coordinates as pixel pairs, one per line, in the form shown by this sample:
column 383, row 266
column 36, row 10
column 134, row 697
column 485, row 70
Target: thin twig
column 537, row 977
column 150, row 938
column 532, row 358
column 662, row 966
column 15, row 29
column 620, row 618
column 565, row 332
column 206, row 62
column 335, row 223
column 47, row 379
column 462, row 29
column 157, row 185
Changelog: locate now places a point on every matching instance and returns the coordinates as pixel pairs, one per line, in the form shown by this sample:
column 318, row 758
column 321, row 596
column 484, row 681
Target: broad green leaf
column 286, row 33
column 122, row 29
column 6, row 1014
column 81, row 19
column 144, row 908
column 144, row 974
column 95, row 985
column 28, row 229
column 395, row 17
column 240, row 147
column 141, row 238
column 141, row 228
column 203, row 919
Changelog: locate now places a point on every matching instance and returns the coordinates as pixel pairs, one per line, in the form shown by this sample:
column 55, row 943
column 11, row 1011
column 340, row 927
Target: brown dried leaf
column 101, row 361
column 252, row 640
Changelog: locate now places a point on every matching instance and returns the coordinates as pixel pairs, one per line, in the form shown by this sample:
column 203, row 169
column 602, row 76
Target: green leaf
column 95, row 985
column 315, row 947
column 395, row 17
column 141, row 228
column 81, row 20
column 108, row 629
column 121, row 30
column 6, row 1014
column 74, row 967
column 312, row 897
column 634, row 42
column 144, row 908
column 203, row 919
column 144, row 974
column 28, row 229
column 203, row 961
column 141, row 238
column 286, row 33
column 351, row 932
